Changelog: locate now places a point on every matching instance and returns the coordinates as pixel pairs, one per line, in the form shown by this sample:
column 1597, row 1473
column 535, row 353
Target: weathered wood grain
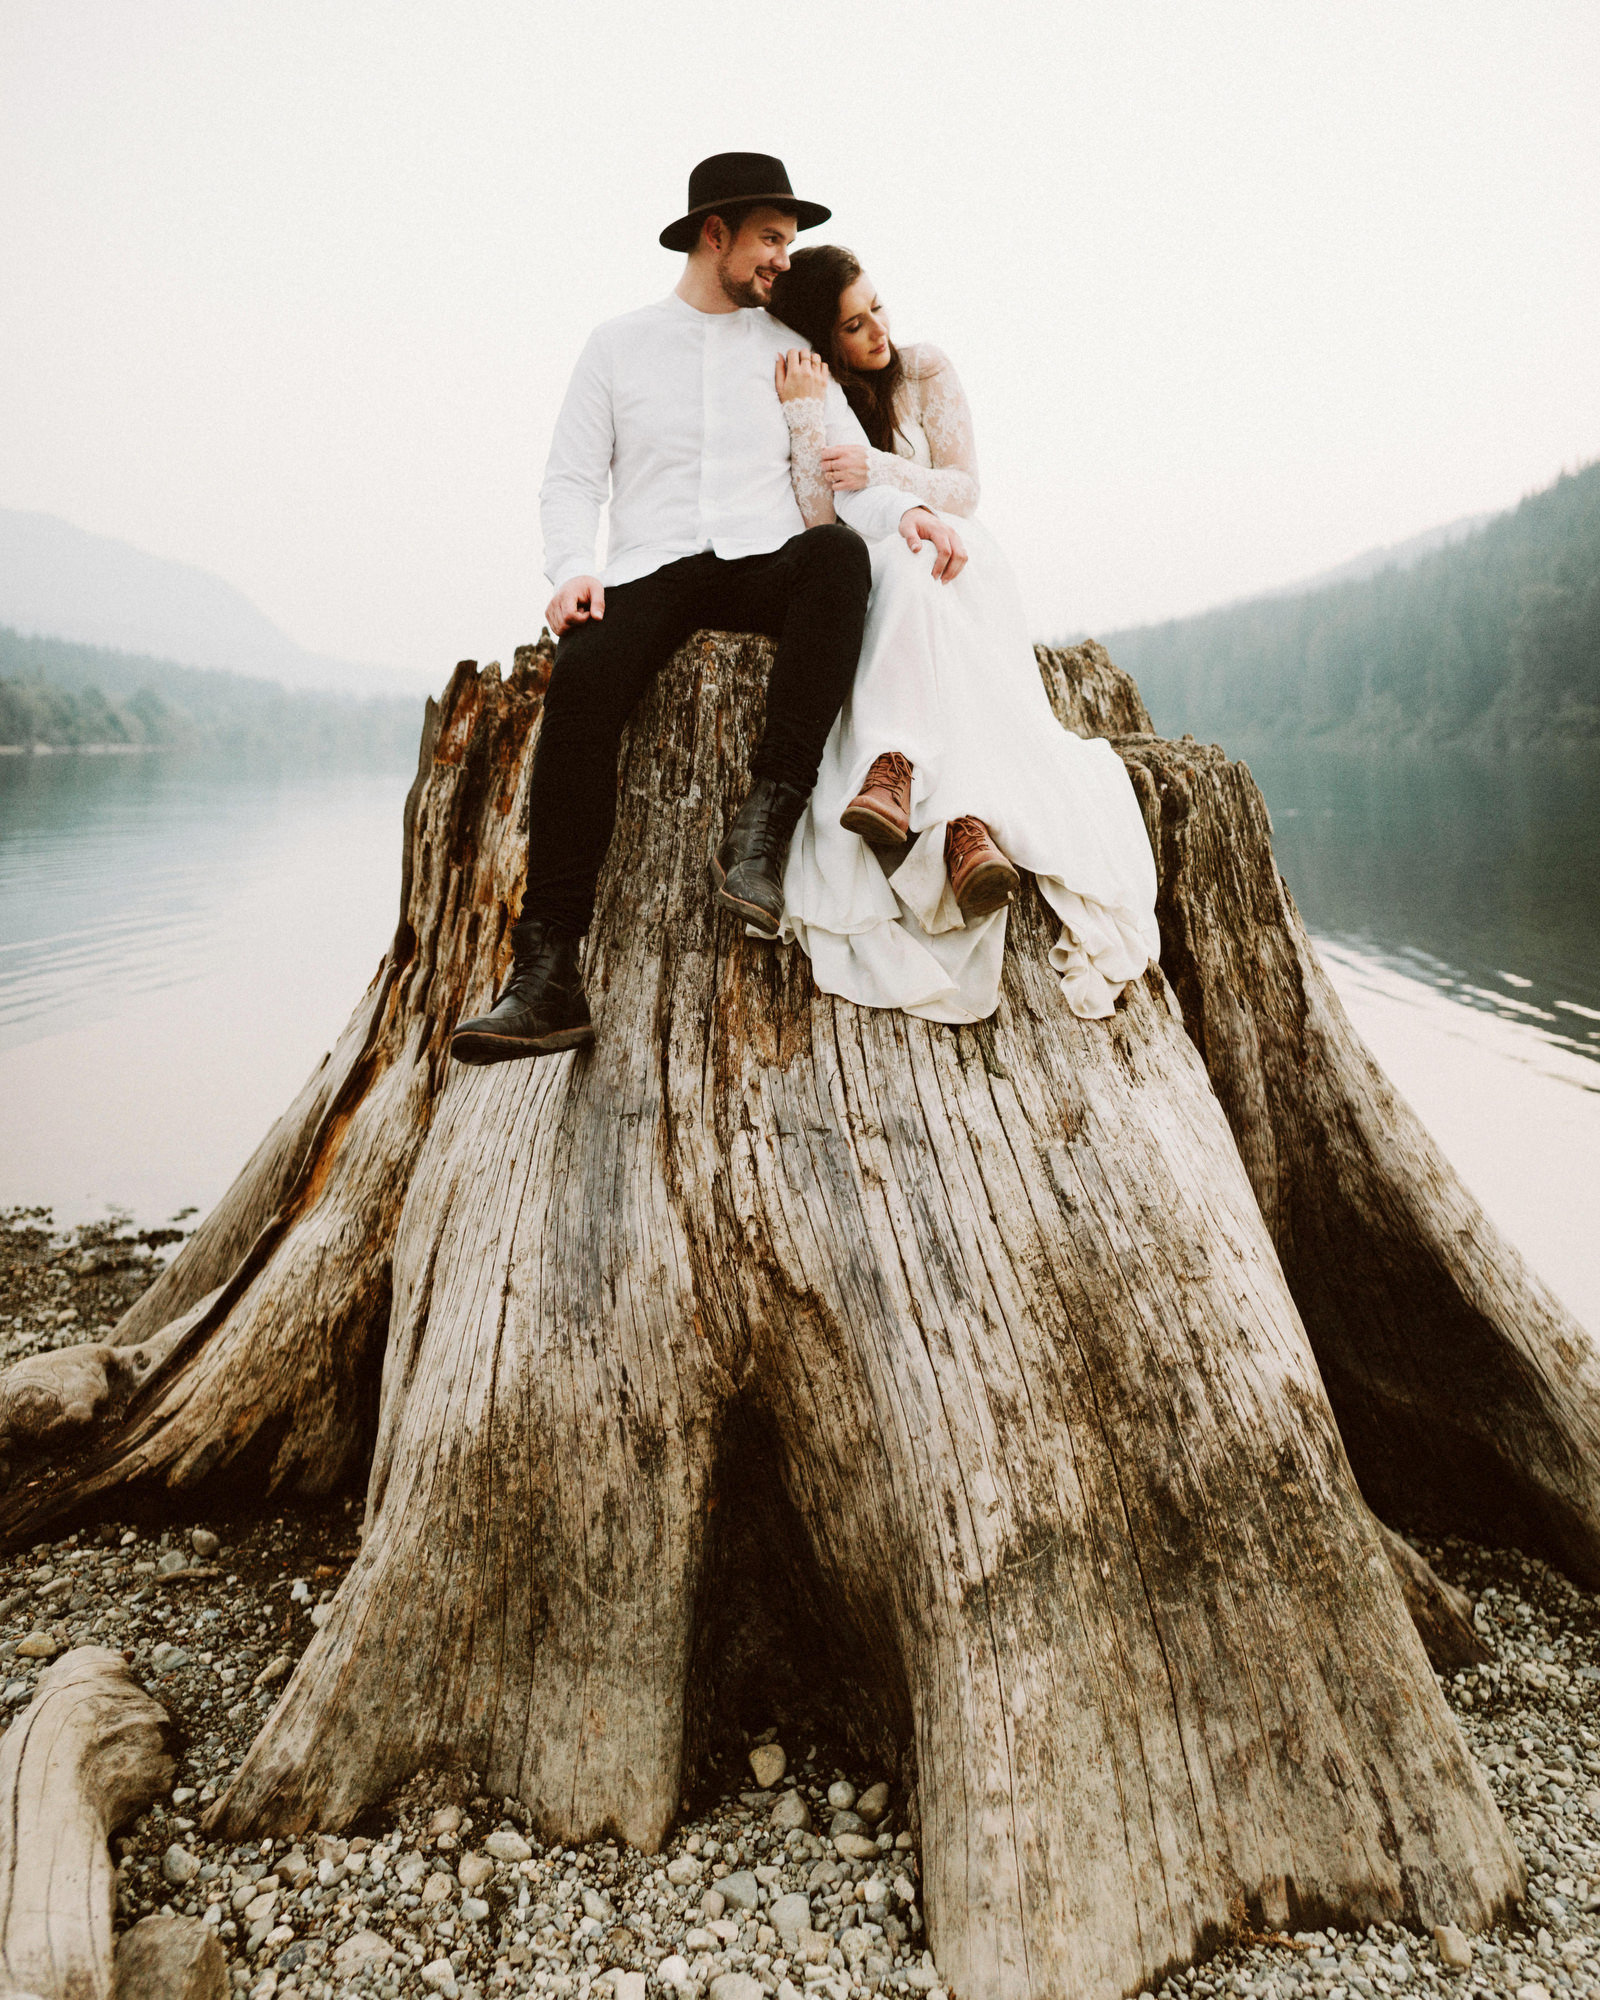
column 85, row 1755
column 1006, row 1304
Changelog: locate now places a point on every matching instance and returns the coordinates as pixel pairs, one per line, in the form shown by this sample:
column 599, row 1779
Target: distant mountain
column 58, row 695
column 1490, row 634
column 62, row 582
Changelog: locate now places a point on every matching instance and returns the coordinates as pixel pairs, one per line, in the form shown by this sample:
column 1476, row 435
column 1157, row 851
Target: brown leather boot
column 881, row 811
column 981, row 878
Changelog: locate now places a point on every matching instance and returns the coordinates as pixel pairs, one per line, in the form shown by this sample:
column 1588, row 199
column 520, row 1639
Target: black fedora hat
column 731, row 177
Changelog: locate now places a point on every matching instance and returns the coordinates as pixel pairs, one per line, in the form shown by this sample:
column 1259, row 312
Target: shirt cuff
column 574, row 566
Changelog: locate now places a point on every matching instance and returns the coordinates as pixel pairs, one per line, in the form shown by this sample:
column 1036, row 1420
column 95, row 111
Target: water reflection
column 179, row 944
column 1475, row 875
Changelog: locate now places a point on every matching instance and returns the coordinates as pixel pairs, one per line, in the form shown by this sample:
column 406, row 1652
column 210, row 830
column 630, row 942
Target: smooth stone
column 359, row 1950
column 699, row 1939
column 474, row 1910
column 295, row 1869
column 474, row 1870
column 768, row 1764
column 814, row 1946
column 37, row 1646
column 260, row 1906
column 440, row 1977
column 736, row 1986
column 179, row 1866
column 712, row 1904
column 907, row 1894
column 790, row 1914
column 627, row 1985
column 841, row 1795
column 439, row 1887
column 504, row 1845
column 204, row 1543
column 673, row 1969
column 680, row 1869
column 446, row 1820
column 409, row 1870
column 171, row 1563
column 740, row 1890
column 171, row 1958
column 791, row 1812
column 167, row 1658
column 597, row 1906
column 856, row 1846
column 846, row 1822
column 1455, row 1948
column 873, row 1803
column 274, row 1670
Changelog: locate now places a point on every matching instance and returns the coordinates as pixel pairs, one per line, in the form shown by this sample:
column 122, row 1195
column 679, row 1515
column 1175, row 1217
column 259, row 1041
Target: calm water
column 179, row 944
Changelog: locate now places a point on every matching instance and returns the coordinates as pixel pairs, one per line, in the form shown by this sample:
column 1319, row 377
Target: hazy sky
column 1238, row 289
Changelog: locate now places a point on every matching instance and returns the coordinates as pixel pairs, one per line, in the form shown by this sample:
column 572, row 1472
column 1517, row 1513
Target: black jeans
column 810, row 595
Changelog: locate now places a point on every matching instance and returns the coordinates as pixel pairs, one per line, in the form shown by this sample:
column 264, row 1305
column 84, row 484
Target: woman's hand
column 800, row 375
column 845, row 467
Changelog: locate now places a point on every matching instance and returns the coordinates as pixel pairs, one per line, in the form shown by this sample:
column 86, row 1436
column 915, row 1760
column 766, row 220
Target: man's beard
column 740, row 291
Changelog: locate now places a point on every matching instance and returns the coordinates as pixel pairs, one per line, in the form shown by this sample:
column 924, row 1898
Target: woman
column 948, row 739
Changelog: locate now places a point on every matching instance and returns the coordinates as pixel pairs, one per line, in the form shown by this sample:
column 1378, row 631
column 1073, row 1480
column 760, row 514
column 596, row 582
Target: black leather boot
column 748, row 868
column 542, row 1007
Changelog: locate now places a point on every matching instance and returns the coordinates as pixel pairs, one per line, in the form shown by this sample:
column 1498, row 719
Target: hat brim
column 685, row 232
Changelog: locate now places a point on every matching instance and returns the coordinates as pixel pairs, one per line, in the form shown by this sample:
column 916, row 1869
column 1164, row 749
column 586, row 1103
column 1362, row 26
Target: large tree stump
column 985, row 1323
column 87, row 1753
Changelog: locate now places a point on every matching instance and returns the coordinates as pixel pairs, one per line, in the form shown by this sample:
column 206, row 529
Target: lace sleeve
column 938, row 402
column 808, row 433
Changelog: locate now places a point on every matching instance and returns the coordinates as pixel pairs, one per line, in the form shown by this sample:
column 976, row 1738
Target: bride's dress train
column 947, row 676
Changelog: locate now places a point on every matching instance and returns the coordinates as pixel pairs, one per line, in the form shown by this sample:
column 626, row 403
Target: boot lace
column 963, row 838
column 891, row 770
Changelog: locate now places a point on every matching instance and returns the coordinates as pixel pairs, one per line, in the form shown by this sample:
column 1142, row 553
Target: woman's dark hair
column 806, row 297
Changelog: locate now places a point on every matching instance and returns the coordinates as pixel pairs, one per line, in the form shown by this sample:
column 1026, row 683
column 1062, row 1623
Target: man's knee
column 838, row 553
column 587, row 679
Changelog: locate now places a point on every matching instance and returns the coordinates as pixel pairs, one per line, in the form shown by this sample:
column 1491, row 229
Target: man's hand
column 919, row 526
column 845, row 466
column 578, row 600
column 800, row 374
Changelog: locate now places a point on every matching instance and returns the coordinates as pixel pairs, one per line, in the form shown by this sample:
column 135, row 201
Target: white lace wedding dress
column 947, row 677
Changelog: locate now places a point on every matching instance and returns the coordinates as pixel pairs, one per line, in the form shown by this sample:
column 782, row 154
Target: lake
column 180, row 943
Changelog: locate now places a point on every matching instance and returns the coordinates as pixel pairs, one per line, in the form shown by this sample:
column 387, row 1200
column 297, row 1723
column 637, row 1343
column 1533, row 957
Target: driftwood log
column 998, row 1337
column 87, row 1754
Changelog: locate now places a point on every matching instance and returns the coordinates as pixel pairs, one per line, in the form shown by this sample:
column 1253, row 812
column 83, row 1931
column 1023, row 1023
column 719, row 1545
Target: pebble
column 179, row 1866
column 1455, row 1949
column 683, row 1868
column 37, row 1646
column 856, row 1846
column 505, row 1845
column 204, row 1543
column 473, row 1870
column 873, row 1803
column 740, row 1891
column 768, row 1764
column 790, row 1914
column 791, row 1810
column 841, row 1795
column 736, row 1986
column 440, row 1977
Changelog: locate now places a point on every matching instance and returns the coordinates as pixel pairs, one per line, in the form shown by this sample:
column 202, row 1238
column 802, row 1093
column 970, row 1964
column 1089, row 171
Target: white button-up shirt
column 673, row 415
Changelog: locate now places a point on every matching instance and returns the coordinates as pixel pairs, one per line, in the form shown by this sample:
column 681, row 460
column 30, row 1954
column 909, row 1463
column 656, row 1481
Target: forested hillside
column 56, row 693
column 1496, row 638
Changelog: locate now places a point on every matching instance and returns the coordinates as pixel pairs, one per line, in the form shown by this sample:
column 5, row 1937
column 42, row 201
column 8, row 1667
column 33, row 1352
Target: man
column 673, row 415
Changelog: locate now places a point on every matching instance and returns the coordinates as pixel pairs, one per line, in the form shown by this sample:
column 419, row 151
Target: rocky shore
column 796, row 1875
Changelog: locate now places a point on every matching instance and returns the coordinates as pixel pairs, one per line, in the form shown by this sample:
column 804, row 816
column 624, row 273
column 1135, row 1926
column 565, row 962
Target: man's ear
column 714, row 234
